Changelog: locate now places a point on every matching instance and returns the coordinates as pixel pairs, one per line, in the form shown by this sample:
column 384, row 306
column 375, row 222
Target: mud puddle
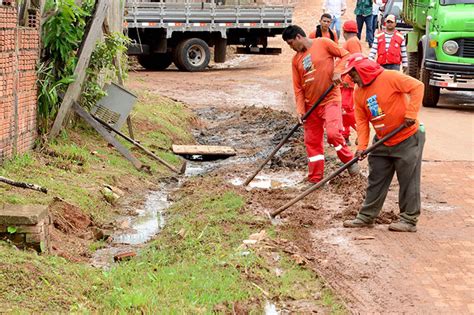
column 271, row 180
column 137, row 230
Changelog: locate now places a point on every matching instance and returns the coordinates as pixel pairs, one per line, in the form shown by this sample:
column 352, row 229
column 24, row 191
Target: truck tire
column 192, row 55
column 413, row 66
column 431, row 97
column 155, row 62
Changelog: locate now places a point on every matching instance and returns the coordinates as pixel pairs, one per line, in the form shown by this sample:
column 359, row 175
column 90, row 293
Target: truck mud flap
column 137, row 49
column 258, row 51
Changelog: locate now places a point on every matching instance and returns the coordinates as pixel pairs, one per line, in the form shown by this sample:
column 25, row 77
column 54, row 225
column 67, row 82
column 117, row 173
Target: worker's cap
column 391, row 18
column 367, row 69
column 353, row 61
column 350, row 27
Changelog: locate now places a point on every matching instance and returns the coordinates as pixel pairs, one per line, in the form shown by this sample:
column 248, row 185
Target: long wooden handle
column 134, row 142
column 336, row 173
column 292, row 131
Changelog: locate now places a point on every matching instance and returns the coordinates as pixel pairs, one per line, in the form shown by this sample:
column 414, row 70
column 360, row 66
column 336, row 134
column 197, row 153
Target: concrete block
column 12, row 215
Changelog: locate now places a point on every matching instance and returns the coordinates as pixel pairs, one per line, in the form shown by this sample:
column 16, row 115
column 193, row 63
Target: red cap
column 353, row 60
column 350, row 27
column 367, row 69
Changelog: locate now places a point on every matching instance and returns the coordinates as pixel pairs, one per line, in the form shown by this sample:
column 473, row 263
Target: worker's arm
column 362, row 122
column 337, row 52
column 299, row 90
column 415, row 90
column 373, row 49
column 325, row 6
column 343, row 7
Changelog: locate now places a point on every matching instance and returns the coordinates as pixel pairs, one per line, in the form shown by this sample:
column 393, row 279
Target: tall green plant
column 62, row 34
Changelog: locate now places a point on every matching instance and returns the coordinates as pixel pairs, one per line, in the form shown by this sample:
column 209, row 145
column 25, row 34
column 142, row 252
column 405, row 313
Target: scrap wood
column 203, row 150
column 23, row 185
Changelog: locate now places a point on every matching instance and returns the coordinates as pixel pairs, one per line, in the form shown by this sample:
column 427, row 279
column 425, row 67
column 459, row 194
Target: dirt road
column 431, row 271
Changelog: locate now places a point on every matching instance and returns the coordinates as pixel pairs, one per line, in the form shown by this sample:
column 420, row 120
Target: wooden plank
column 203, row 150
column 107, row 136
column 75, row 88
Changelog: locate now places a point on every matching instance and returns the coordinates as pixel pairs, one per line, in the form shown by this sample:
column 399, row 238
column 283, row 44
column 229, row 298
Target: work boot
column 354, row 169
column 357, row 223
column 348, row 141
column 402, row 226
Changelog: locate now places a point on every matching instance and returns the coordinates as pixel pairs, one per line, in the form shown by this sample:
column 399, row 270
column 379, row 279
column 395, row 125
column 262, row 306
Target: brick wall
column 19, row 52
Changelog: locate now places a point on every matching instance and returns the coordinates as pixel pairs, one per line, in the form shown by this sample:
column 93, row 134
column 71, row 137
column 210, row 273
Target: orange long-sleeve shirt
column 385, row 104
column 352, row 45
column 313, row 71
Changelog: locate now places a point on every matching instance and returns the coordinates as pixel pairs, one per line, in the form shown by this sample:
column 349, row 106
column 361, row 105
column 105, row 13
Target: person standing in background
column 375, row 14
column 336, row 8
column 389, row 47
column 323, row 29
column 363, row 12
column 352, row 45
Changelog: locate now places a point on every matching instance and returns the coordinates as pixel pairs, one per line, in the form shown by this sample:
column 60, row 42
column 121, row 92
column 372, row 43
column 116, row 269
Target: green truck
column 441, row 45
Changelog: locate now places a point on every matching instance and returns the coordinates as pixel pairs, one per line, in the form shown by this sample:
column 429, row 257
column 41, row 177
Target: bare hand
column 336, row 78
column 405, row 70
column 409, row 122
column 360, row 155
column 300, row 119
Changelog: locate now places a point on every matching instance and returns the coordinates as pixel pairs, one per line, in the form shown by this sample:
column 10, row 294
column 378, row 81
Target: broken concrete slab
column 22, row 214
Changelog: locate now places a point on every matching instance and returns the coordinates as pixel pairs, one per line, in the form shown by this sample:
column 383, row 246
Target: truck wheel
column 192, row 55
column 155, row 62
column 431, row 97
column 413, row 68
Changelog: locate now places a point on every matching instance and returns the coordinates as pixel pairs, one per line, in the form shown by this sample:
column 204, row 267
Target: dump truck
column 182, row 32
column 441, row 45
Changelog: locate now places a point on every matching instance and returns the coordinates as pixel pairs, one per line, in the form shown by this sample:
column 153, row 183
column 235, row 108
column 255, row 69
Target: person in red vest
column 352, row 45
column 389, row 46
column 323, row 30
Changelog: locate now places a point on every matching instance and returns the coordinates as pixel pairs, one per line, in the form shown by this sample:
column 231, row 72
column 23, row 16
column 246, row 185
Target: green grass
column 70, row 170
column 32, row 283
column 196, row 264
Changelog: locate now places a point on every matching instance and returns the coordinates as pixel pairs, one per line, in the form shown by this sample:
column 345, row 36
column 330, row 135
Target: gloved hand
column 409, row 122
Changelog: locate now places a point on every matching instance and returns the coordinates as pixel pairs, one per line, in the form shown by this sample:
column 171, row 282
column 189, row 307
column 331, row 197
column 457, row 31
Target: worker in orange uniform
column 314, row 70
column 388, row 99
column 352, row 45
column 323, row 29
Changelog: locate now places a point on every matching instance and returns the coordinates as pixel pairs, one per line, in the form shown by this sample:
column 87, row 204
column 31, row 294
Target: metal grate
column 107, row 115
column 115, row 107
column 468, row 48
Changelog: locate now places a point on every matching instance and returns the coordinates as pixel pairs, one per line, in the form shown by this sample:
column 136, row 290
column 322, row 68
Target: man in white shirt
column 336, row 8
column 375, row 14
